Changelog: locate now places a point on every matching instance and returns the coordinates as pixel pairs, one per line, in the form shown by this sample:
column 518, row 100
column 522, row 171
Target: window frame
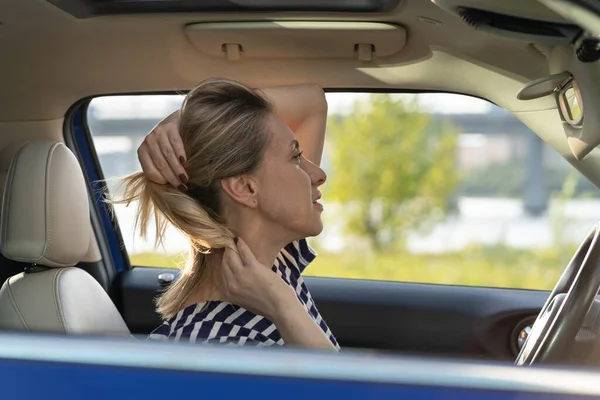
column 112, row 231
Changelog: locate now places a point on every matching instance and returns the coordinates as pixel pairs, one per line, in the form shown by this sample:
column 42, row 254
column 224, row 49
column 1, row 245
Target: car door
column 466, row 244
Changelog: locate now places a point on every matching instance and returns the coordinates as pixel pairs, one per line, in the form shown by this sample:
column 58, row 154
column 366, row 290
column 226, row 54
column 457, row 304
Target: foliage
column 559, row 222
column 156, row 259
column 392, row 168
column 490, row 266
column 495, row 266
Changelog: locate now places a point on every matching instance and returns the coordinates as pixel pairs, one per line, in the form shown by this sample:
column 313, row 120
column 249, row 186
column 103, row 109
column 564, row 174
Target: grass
column 496, row 266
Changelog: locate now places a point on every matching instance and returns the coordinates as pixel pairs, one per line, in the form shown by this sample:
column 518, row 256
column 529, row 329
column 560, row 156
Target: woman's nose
column 316, row 173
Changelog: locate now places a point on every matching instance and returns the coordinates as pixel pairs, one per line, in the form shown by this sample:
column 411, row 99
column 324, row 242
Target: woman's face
column 288, row 185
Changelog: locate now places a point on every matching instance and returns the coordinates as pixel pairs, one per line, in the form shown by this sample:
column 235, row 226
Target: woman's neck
column 264, row 237
column 211, row 289
column 263, row 250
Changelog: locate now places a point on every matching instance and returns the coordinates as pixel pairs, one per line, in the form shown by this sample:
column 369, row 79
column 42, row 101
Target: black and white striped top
column 225, row 323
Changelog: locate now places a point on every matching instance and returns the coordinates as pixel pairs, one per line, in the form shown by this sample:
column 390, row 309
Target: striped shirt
column 225, row 323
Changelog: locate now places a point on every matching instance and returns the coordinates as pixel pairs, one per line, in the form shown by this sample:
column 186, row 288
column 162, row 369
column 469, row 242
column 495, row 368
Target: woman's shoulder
column 218, row 322
column 188, row 316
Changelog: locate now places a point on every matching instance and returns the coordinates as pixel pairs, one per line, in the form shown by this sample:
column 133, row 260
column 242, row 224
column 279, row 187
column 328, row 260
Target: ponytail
column 162, row 204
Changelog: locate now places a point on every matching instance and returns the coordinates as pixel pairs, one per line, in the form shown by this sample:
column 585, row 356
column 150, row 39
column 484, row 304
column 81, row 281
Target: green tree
column 393, row 169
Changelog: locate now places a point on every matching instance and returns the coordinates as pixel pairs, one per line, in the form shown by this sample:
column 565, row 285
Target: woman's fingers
column 162, row 153
column 176, row 143
column 150, row 170
column 227, row 273
column 246, row 255
column 171, row 157
column 249, row 285
column 160, row 161
column 233, row 262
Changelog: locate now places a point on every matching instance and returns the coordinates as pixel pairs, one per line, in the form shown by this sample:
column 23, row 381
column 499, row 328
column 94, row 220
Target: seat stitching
column 57, row 299
column 48, row 216
column 14, row 305
column 8, row 189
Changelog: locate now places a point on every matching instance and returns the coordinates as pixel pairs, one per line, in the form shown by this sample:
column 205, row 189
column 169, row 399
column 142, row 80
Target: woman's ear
column 241, row 189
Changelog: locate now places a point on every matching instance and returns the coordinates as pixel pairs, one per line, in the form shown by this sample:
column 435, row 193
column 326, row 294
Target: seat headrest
column 45, row 217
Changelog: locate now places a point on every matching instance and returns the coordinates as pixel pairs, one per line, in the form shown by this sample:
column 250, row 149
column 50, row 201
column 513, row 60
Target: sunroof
column 90, row 8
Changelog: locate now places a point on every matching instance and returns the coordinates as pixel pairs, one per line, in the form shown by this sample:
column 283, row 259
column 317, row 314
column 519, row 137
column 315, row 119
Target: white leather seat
column 45, row 224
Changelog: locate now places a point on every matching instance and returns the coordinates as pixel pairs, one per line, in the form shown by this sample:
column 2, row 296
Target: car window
column 431, row 187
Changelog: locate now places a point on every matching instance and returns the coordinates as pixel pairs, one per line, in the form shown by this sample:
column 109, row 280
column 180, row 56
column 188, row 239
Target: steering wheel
column 564, row 312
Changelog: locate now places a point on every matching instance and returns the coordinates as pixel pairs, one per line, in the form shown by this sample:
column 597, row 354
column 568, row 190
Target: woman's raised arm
column 302, row 107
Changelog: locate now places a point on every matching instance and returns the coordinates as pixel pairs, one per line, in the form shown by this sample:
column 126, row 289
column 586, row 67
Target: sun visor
column 543, row 86
column 235, row 41
column 572, row 91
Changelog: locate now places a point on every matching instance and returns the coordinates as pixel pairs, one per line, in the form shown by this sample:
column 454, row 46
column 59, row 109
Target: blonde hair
column 224, row 132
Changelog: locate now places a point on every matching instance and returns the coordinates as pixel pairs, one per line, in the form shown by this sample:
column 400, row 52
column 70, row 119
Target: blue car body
column 57, row 367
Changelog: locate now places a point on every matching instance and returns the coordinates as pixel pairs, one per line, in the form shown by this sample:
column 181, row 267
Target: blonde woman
column 237, row 171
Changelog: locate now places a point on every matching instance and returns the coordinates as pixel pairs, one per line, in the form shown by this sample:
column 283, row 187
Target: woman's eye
column 298, row 156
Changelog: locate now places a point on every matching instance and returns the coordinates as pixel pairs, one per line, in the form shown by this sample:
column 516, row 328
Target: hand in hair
column 162, row 154
column 255, row 287
column 302, row 107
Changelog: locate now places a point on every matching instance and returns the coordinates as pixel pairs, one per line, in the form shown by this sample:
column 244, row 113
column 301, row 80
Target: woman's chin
column 313, row 227
column 317, row 229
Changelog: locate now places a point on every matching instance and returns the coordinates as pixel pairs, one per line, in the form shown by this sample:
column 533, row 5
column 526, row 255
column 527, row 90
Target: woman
column 228, row 170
